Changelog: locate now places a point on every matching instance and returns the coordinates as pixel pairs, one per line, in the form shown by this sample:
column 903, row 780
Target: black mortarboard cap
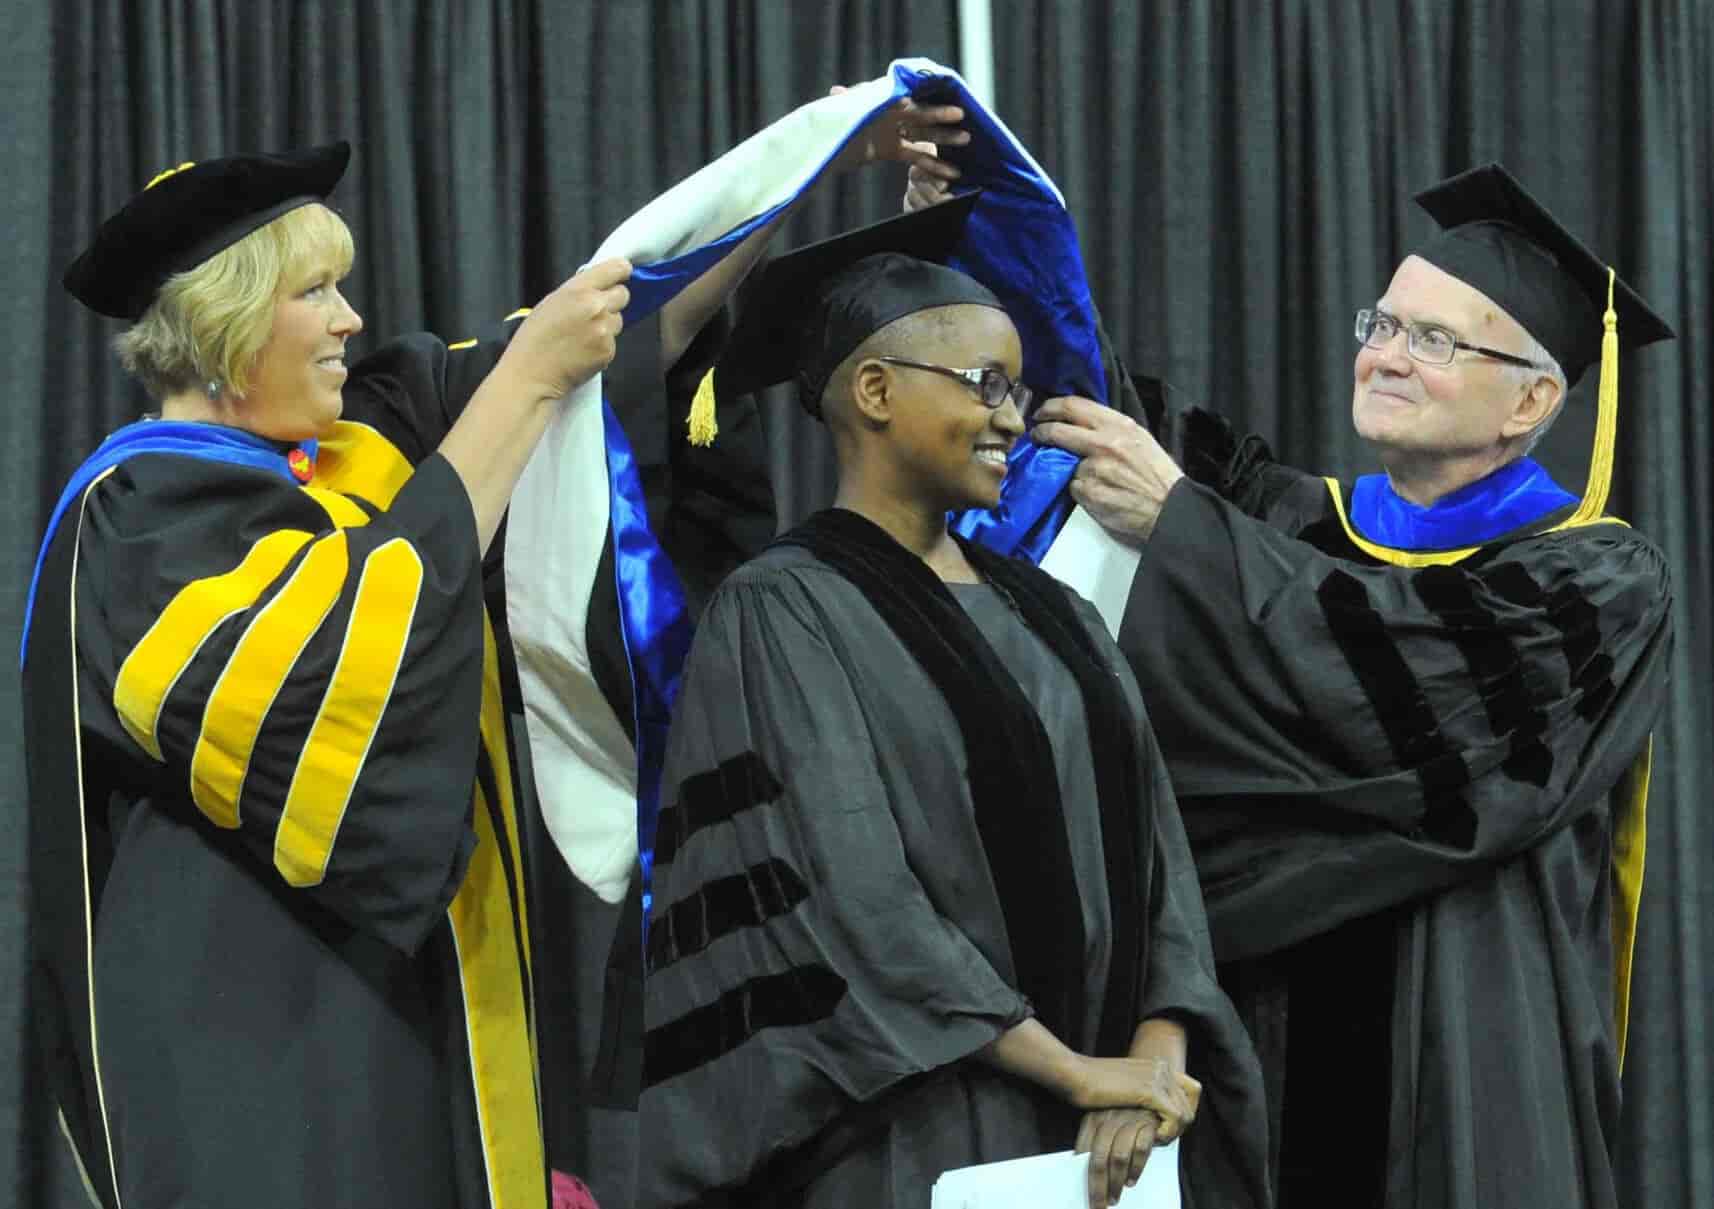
column 187, row 214
column 808, row 310
column 1503, row 242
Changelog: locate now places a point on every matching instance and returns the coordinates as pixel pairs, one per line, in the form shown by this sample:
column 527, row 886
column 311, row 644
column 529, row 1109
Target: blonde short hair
column 208, row 323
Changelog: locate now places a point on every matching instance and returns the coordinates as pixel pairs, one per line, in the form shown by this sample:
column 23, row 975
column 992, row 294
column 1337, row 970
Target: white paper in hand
column 1053, row 1181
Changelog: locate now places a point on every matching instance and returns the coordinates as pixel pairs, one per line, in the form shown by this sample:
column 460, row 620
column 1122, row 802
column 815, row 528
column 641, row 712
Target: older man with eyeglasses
column 1407, row 720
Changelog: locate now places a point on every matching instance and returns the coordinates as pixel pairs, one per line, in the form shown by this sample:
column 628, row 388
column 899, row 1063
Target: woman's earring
column 212, row 389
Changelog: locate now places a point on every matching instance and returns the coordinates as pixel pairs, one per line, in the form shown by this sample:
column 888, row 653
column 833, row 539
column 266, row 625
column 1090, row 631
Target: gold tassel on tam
column 703, row 425
column 1606, row 417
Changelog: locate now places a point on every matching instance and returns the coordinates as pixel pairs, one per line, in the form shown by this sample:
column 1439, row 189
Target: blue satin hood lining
column 655, row 622
column 1518, row 494
column 211, row 442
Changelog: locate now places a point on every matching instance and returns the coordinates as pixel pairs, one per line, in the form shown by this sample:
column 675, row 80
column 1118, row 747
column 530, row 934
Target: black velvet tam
column 808, row 310
column 186, row 215
column 1500, row 240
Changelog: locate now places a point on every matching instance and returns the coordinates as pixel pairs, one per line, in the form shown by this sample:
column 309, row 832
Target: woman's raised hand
column 572, row 334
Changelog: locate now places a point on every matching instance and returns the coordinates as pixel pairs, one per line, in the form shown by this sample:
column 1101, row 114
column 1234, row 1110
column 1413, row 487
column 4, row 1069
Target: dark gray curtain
column 1240, row 173
column 496, row 142
column 1241, row 177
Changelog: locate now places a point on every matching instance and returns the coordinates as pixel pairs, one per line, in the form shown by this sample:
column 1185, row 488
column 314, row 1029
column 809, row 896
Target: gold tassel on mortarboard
column 1606, row 417
column 703, row 425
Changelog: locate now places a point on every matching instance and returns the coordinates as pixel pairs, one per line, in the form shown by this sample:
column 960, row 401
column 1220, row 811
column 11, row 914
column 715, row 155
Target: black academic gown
column 282, row 945
column 833, row 942
column 1412, row 795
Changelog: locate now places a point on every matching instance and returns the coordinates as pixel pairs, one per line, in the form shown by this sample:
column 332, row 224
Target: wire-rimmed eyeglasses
column 991, row 385
column 1425, row 342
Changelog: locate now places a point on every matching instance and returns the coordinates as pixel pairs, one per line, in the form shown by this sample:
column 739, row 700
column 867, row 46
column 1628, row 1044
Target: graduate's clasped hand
column 1134, row 1104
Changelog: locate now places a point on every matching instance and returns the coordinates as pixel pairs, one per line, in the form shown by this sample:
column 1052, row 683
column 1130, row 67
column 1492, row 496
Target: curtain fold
column 27, row 267
column 1240, row 174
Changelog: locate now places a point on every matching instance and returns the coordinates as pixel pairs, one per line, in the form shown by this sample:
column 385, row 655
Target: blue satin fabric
column 1518, row 494
column 656, row 624
column 1021, row 243
column 212, row 442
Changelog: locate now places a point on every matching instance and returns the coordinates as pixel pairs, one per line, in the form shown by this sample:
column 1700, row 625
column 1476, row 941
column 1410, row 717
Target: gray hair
column 1525, row 375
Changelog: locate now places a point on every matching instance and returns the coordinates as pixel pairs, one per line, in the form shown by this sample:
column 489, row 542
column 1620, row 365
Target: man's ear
column 1534, row 407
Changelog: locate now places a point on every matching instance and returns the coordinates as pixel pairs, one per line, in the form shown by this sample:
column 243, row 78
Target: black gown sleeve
column 1240, row 468
column 1345, row 737
column 304, row 673
column 796, row 963
column 411, row 390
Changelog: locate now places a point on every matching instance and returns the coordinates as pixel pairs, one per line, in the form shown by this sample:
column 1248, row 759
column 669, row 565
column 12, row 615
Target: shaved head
column 916, row 336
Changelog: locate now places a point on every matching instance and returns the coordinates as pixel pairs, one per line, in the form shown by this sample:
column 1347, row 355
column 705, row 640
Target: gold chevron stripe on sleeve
column 254, row 674
column 344, row 513
column 350, row 712
column 357, row 460
column 160, row 658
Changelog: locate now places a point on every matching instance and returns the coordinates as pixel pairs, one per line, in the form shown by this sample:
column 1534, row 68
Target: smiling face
column 294, row 391
column 1408, row 410
column 947, row 448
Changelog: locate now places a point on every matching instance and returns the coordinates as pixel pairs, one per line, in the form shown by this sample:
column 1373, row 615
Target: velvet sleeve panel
column 298, row 668
column 798, row 966
column 1346, row 736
